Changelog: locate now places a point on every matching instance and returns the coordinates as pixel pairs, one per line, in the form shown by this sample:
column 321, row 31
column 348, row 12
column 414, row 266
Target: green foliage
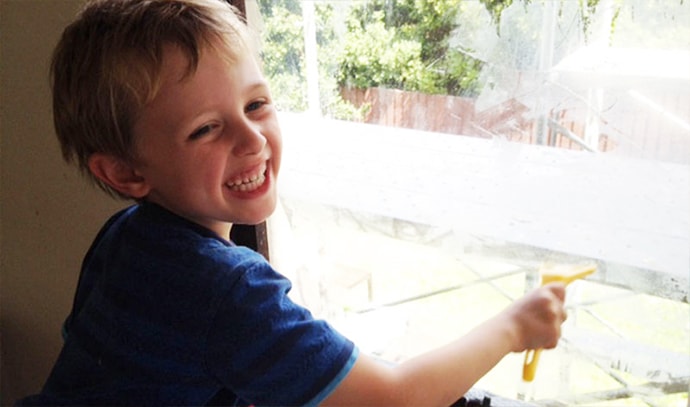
column 495, row 9
column 267, row 7
column 332, row 104
column 374, row 56
column 284, row 59
column 403, row 44
column 400, row 44
column 665, row 24
column 283, row 54
column 462, row 75
column 587, row 10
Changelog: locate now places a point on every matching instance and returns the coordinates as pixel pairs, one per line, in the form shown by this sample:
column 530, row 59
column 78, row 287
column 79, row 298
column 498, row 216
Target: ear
column 118, row 175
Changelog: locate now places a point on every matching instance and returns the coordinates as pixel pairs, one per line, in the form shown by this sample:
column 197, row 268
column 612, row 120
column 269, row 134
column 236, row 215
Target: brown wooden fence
column 643, row 134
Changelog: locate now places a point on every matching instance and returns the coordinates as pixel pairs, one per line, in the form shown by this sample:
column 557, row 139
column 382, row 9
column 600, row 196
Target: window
column 425, row 184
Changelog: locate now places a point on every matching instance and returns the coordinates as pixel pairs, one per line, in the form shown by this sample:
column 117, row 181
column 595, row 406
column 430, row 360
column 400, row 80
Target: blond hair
column 107, row 66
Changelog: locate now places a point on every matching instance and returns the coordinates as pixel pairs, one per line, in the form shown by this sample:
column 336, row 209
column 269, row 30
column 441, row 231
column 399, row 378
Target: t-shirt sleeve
column 269, row 350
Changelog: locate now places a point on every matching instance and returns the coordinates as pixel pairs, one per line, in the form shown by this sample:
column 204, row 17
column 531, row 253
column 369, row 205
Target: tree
column 283, row 53
column 285, row 61
column 404, row 44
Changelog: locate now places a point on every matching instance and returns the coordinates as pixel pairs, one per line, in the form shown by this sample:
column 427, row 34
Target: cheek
column 276, row 143
column 214, row 167
column 208, row 169
column 192, row 173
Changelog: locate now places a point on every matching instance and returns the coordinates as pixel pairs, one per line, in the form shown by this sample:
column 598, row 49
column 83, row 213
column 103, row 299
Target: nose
column 248, row 139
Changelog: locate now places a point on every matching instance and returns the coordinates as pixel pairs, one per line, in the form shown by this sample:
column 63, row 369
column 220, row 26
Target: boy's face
column 209, row 146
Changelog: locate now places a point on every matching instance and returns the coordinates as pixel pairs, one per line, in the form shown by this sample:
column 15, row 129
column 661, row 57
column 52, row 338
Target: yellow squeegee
column 550, row 273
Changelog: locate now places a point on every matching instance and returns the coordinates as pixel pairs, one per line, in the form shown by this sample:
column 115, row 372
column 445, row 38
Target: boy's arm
column 441, row 376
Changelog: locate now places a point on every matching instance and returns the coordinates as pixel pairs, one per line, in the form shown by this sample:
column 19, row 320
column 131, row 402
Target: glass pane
column 438, row 153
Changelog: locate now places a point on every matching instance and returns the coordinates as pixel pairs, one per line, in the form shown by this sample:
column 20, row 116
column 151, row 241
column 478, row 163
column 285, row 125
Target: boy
column 163, row 102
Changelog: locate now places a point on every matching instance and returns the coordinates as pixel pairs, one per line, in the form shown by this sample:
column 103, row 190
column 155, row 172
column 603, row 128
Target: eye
column 202, row 131
column 256, row 105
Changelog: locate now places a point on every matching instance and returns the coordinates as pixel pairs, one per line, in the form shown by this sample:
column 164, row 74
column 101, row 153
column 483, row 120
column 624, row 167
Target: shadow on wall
column 49, row 215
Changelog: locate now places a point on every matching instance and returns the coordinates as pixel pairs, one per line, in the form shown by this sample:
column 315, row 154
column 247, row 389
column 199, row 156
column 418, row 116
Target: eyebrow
column 257, row 85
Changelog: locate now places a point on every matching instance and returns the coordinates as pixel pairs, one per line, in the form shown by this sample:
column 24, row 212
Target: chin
column 257, row 217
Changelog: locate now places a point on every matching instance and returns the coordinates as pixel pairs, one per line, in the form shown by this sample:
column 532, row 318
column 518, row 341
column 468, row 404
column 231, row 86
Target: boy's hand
column 443, row 375
column 537, row 317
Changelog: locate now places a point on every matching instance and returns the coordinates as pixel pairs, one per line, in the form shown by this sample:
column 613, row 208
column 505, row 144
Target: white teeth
column 248, row 183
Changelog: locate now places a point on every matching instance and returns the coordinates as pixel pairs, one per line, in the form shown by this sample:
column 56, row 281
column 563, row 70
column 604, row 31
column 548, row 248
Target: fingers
column 549, row 313
column 554, row 301
column 558, row 289
column 557, row 311
column 538, row 317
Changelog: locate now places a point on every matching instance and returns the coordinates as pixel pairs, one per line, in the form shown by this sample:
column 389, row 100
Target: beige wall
column 48, row 214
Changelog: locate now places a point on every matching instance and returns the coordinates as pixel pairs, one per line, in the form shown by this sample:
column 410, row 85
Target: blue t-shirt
column 168, row 313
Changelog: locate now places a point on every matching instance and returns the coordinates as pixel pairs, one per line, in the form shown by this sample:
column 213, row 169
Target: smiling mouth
column 248, row 183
